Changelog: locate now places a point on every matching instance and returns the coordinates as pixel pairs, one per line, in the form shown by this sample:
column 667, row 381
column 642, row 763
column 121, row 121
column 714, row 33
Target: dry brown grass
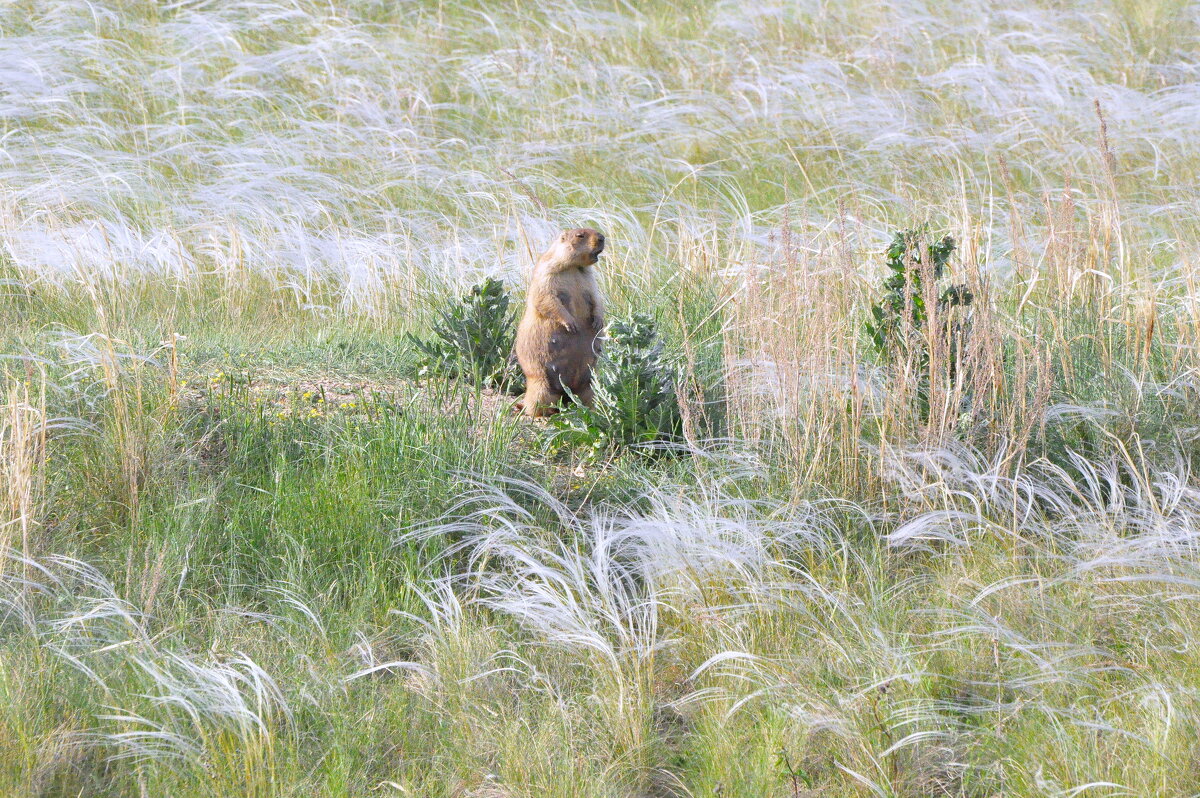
column 22, row 453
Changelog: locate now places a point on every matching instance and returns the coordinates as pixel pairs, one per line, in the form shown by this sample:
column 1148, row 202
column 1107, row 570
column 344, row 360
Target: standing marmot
column 556, row 341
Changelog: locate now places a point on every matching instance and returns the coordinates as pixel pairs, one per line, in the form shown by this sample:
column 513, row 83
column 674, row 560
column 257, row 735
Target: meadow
column 250, row 546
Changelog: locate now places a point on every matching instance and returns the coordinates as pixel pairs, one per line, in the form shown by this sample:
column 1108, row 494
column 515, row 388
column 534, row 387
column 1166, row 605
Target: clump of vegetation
column 475, row 336
column 914, row 315
column 634, row 389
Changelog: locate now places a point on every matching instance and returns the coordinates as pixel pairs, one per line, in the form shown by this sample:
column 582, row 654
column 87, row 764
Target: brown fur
column 557, row 338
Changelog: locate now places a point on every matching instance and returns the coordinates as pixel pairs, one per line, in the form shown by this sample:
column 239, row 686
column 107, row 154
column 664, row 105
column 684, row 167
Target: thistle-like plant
column 474, row 340
column 633, row 385
column 901, row 327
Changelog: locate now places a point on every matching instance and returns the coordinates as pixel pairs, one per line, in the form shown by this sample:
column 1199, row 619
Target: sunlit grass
column 246, row 548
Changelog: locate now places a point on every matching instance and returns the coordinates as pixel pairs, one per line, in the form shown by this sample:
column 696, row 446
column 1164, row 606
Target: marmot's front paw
column 570, row 327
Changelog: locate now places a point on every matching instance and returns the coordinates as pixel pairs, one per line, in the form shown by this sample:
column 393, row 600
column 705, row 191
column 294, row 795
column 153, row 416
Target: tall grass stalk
column 22, row 455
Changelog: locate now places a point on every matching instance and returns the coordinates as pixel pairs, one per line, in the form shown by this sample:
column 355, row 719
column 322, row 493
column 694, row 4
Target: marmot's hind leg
column 585, row 395
column 539, row 400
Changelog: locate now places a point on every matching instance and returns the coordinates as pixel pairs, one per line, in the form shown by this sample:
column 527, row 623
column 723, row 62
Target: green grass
column 245, row 550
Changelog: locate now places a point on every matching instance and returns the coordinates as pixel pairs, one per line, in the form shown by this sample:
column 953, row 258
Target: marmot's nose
column 599, row 242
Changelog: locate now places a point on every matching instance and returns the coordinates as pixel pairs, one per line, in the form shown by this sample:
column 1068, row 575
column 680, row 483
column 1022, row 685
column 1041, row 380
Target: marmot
column 564, row 314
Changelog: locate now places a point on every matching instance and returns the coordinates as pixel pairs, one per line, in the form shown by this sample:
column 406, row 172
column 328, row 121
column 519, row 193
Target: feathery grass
column 244, row 552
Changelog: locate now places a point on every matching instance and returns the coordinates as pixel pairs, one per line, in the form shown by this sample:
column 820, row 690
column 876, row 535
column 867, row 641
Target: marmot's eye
column 579, row 236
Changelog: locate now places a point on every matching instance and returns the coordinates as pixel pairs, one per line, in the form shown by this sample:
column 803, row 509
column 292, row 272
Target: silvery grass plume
column 1042, row 605
column 308, row 140
column 1066, row 511
column 616, row 587
column 201, row 713
column 443, row 628
column 572, row 591
column 161, row 705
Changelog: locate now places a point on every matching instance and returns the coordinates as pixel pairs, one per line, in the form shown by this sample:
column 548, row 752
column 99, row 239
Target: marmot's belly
column 562, row 359
column 569, row 360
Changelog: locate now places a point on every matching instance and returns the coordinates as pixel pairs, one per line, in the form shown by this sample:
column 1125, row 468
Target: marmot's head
column 576, row 249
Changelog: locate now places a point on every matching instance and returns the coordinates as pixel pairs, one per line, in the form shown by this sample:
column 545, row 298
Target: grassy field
column 248, row 549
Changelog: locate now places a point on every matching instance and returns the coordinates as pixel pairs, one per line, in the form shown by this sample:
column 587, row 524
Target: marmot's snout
column 587, row 241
